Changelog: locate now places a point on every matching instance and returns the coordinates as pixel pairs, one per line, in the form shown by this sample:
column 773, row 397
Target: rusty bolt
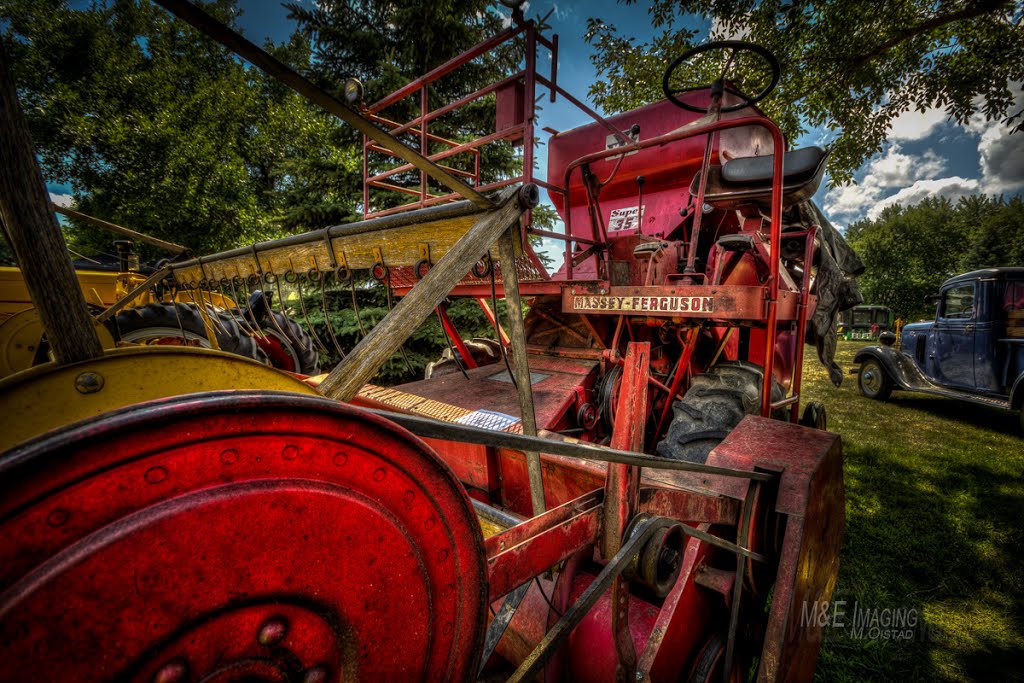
column 173, row 671
column 89, row 383
column 272, row 632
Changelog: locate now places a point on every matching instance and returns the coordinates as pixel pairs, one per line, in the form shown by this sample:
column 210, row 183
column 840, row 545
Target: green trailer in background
column 864, row 322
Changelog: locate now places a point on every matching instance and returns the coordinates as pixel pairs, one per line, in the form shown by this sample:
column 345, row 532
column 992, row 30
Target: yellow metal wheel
column 20, row 337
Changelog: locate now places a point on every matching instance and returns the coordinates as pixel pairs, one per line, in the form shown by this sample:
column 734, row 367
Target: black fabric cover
column 835, row 285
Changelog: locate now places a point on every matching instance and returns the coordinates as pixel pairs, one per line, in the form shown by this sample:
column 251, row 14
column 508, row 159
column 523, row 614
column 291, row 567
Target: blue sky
column 926, row 154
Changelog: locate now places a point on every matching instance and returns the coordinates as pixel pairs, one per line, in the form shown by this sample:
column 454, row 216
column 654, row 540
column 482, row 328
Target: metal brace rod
column 554, row 444
column 501, row 621
column 128, row 298
column 345, row 380
column 278, row 70
column 127, row 232
column 743, row 538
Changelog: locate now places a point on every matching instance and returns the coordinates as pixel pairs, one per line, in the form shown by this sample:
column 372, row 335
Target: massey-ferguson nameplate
column 720, row 302
column 651, row 304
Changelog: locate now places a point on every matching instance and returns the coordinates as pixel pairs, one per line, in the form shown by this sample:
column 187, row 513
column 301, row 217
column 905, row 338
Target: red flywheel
column 237, row 536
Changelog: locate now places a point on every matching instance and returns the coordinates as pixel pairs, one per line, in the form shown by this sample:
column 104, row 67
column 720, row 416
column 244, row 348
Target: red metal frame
column 457, row 340
column 523, row 132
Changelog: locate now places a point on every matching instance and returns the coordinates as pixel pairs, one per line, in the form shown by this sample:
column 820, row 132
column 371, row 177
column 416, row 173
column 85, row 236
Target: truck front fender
column 898, row 365
column 1017, row 393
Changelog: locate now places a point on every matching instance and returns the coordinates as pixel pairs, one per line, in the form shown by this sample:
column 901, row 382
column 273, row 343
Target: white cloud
column 953, row 187
column 917, row 125
column 851, row 201
column 1002, row 160
column 900, row 178
column 894, row 169
column 61, row 199
column 562, row 13
column 506, row 19
column 1000, row 152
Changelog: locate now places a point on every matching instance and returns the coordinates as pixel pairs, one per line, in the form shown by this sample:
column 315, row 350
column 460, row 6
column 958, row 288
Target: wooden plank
column 35, row 236
column 384, row 340
column 521, row 363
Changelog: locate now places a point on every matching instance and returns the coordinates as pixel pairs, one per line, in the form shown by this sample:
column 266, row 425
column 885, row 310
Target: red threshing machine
column 619, row 487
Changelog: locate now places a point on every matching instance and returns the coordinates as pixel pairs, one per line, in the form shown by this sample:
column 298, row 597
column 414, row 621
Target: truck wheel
column 289, row 348
column 873, row 381
column 712, row 407
column 180, row 324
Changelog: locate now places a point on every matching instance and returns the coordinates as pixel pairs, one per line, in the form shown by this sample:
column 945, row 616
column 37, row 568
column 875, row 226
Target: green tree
column 386, row 45
column 909, row 252
column 158, row 128
column 905, row 254
column 851, row 65
column 997, row 238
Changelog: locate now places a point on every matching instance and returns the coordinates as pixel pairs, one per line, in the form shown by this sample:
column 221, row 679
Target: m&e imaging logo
column 847, row 618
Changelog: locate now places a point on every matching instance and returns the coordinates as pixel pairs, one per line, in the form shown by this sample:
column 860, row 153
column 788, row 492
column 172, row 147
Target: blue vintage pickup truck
column 972, row 351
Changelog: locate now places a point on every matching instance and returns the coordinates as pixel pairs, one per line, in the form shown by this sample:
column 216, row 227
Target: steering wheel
column 734, row 46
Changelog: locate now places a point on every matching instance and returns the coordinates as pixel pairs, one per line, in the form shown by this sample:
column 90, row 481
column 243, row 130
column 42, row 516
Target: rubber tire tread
column 712, row 407
column 307, row 358
column 232, row 338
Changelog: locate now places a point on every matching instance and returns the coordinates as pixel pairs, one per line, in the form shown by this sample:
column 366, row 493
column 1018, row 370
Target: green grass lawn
column 934, row 519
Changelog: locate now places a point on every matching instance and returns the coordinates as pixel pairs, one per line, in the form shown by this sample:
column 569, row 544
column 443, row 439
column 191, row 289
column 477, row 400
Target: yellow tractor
column 127, row 313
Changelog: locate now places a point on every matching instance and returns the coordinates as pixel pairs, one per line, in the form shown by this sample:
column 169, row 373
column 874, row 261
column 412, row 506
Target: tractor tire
column 712, row 407
column 288, row 345
column 873, row 381
column 180, row 324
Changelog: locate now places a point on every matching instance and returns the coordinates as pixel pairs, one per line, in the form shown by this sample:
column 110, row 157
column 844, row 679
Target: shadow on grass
column 999, row 421
column 938, row 534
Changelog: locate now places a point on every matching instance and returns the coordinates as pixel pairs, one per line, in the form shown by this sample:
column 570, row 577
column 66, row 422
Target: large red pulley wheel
column 237, row 536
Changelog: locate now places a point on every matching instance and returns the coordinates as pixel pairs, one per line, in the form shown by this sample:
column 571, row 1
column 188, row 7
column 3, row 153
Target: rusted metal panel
column 687, row 506
column 622, row 485
column 590, row 658
column 807, row 573
column 539, row 543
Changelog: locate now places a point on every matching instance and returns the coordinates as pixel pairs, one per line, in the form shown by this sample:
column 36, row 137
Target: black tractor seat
column 748, row 180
